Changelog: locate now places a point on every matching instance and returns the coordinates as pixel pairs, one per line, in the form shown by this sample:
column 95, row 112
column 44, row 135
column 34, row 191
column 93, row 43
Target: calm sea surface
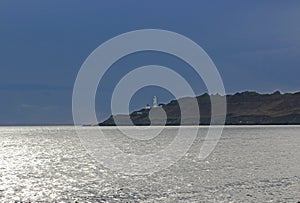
column 249, row 164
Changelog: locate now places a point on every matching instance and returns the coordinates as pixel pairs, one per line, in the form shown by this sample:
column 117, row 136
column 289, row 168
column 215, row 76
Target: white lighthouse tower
column 154, row 102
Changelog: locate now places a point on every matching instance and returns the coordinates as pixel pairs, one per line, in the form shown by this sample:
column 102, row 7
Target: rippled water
column 250, row 164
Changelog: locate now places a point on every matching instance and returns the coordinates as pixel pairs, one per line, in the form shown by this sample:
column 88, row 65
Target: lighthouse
column 154, row 102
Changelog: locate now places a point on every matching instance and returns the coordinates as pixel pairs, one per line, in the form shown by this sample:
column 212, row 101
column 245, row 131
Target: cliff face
column 242, row 108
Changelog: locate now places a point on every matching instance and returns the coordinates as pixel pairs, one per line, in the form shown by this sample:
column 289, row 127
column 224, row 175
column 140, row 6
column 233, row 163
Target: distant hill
column 246, row 108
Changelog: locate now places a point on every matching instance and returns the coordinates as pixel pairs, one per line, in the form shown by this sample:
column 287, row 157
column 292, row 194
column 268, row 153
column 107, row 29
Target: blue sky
column 254, row 44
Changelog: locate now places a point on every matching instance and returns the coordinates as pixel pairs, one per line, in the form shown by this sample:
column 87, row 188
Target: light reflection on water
column 250, row 164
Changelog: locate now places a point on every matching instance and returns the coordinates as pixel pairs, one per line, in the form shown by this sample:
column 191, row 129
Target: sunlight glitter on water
column 250, row 164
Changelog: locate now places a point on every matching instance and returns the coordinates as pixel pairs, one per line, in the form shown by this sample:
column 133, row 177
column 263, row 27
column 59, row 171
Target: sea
column 249, row 164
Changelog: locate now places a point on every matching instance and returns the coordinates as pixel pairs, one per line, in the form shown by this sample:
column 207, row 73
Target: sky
column 254, row 44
